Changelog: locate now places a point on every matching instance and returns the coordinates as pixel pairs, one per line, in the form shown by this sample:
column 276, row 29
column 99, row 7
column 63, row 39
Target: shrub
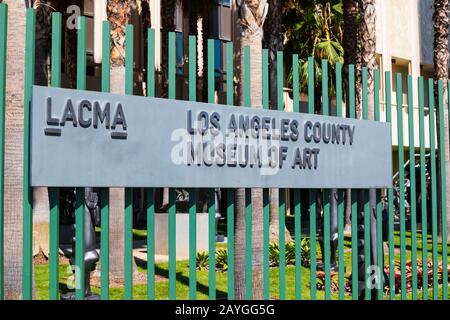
column 222, row 259
column 202, row 260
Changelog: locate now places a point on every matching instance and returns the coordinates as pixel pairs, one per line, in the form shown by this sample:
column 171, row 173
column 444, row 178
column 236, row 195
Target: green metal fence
column 402, row 243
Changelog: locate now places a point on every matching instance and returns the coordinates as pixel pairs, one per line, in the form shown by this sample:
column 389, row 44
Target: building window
column 179, row 37
column 221, row 34
column 179, row 52
column 401, row 66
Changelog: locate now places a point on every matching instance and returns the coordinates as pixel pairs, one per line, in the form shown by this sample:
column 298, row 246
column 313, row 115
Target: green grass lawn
column 182, row 271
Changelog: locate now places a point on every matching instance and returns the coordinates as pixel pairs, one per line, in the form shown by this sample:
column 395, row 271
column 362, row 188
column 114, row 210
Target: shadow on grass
column 180, row 278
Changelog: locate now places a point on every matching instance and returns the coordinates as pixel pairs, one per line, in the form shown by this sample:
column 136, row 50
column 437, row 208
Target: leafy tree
column 314, row 28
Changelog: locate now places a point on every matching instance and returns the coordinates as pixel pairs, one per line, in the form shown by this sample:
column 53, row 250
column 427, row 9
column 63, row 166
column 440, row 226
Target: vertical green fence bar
column 298, row 243
column 367, row 208
column 281, row 192
column 3, row 34
column 79, row 214
column 311, row 85
column 172, row 245
column 266, row 240
column 297, row 204
column 412, row 179
column 230, row 72
column 248, row 244
column 325, row 87
column 211, row 209
column 104, row 192
column 434, row 212
column 248, row 195
column 376, row 94
column 150, row 197
column 444, row 198
column 104, row 243
column 367, row 262
column 295, row 84
column 379, row 212
column 54, row 192
column 230, row 192
column 247, row 80
column 128, row 219
column 106, row 46
column 79, row 244
column 150, row 192
column 326, row 243
column 341, row 263
column 27, row 270
column 387, row 90
column 326, row 194
column 313, row 239
column 351, row 85
column 401, row 183
column 282, row 246
column 354, row 221
column 265, row 78
column 280, row 81
column 423, row 188
column 354, row 226
column 192, row 193
column 230, row 242
column 443, row 194
column 151, row 63
column 365, row 101
column 172, row 207
column 266, row 203
column 312, row 192
column 128, row 245
column 212, row 244
column 442, row 186
column 54, row 243
column 338, row 89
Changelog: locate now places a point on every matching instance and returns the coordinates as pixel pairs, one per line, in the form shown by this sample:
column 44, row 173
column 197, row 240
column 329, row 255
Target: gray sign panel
column 85, row 138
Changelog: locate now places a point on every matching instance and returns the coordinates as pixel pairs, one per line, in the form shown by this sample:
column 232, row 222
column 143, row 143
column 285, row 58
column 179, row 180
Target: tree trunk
column 168, row 25
column 252, row 15
column 118, row 15
column 13, row 214
column 350, row 43
column 41, row 205
column 441, row 55
column 368, row 43
column 273, row 39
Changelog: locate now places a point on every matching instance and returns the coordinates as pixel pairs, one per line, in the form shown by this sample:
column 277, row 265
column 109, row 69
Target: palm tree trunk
column 41, row 205
column 368, row 42
column 252, row 14
column 168, row 25
column 118, row 15
column 13, row 231
column 441, row 56
column 350, row 44
column 273, row 39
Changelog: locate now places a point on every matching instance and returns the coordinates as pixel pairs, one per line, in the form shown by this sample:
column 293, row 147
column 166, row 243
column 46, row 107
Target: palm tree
column 350, row 44
column 252, row 14
column 441, row 56
column 13, row 192
column 368, row 43
column 168, row 25
column 273, row 40
column 314, row 28
column 118, row 12
column 41, row 206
